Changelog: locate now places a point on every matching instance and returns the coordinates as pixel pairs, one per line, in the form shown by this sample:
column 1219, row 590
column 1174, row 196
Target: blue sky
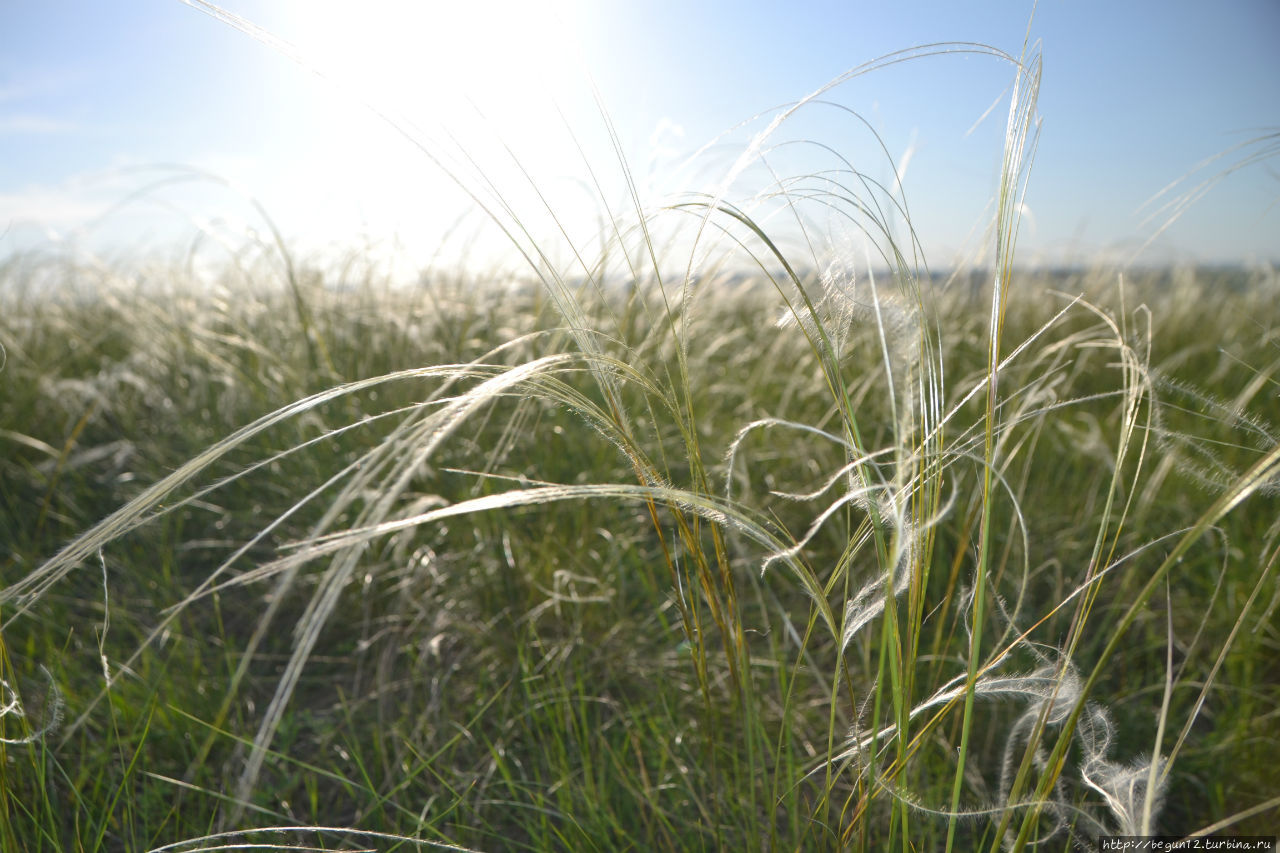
column 101, row 100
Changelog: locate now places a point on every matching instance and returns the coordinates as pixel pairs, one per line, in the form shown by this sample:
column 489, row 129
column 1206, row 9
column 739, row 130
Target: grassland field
column 691, row 567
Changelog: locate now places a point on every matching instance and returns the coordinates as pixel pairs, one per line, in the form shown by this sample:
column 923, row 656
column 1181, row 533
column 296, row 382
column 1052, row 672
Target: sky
column 424, row 128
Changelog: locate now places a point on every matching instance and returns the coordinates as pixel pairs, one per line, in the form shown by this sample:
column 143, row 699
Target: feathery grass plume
column 1020, row 140
column 1244, row 488
column 1203, row 461
column 14, row 712
column 246, row 839
column 1249, row 153
column 1052, row 691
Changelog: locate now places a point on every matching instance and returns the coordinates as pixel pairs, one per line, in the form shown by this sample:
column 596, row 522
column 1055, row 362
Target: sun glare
column 434, row 58
column 477, row 85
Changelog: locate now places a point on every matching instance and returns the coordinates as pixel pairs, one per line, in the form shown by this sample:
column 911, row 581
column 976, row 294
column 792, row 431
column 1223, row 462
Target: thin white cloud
column 15, row 125
column 130, row 203
column 36, row 84
column 50, row 207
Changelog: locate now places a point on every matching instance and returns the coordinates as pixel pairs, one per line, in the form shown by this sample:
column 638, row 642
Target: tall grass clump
column 641, row 551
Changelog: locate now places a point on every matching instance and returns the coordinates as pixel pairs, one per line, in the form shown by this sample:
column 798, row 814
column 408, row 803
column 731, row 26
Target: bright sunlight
column 472, row 83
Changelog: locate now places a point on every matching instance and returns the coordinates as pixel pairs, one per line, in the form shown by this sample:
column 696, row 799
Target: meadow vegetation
column 645, row 556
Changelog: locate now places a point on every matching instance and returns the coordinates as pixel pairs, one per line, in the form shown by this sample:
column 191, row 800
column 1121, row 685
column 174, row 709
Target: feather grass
column 563, row 564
